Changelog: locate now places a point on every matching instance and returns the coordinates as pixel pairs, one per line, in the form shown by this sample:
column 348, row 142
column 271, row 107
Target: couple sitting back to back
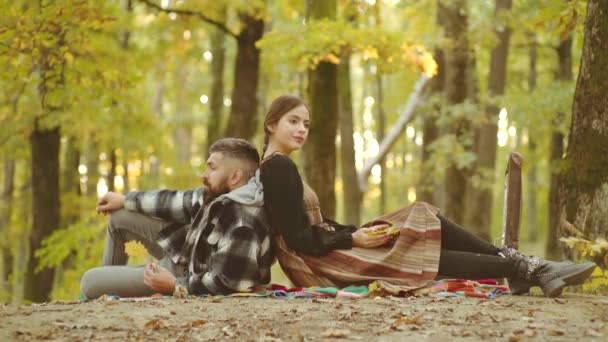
column 216, row 239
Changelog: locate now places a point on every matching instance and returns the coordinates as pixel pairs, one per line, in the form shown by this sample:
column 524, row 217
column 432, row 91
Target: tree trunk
column 216, row 98
column 531, row 177
column 553, row 249
column 352, row 193
column 319, row 152
column 430, row 131
column 92, row 158
column 584, row 181
column 480, row 215
column 112, row 170
column 182, row 133
column 243, row 112
column 380, row 133
column 70, row 179
column 457, row 62
column 6, row 260
column 45, row 146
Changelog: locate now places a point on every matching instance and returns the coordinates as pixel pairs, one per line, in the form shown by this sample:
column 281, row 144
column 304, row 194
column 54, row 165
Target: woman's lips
column 299, row 139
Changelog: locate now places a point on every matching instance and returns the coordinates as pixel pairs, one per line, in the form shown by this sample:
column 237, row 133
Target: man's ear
column 235, row 176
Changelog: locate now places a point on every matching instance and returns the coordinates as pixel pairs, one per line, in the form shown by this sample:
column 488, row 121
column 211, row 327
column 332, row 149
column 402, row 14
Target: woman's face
column 290, row 133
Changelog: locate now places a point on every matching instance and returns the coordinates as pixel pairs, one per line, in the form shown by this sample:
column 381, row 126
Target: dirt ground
column 507, row 318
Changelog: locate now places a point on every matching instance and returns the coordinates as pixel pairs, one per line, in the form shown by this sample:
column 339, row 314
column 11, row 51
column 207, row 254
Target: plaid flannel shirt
column 224, row 244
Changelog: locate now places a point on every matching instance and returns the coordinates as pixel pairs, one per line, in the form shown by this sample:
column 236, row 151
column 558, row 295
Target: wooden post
column 512, row 202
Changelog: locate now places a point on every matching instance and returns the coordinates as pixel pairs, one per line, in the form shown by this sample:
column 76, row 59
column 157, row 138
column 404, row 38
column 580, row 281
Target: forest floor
column 507, row 318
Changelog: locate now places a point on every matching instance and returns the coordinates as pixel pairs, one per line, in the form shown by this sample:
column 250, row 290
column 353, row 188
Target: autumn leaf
column 135, row 249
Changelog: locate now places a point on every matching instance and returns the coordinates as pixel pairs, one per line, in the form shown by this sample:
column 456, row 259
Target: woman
column 314, row 250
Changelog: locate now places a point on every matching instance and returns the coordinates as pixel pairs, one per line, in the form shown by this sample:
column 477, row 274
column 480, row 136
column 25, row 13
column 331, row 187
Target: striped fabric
column 410, row 263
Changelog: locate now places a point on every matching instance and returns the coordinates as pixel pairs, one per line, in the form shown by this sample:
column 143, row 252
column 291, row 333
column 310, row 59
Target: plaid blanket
column 446, row 288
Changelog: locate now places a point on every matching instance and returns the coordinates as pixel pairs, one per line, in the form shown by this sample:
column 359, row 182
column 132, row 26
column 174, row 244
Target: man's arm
column 169, row 205
column 234, row 267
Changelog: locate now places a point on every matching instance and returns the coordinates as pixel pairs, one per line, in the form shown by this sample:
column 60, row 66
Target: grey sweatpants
column 113, row 277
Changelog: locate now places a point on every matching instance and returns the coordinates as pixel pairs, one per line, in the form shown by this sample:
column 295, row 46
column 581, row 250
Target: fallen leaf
column 556, row 333
column 228, row 331
column 336, row 333
column 154, row 324
column 193, row 324
column 345, row 315
column 407, row 320
column 560, row 301
column 593, row 333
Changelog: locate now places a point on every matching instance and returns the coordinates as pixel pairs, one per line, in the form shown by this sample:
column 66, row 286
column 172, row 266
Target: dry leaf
column 556, row 333
column 593, row 333
column 403, row 320
column 154, row 324
column 193, row 324
column 135, row 248
column 336, row 333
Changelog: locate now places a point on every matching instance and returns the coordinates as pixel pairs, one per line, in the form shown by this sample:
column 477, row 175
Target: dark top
column 284, row 202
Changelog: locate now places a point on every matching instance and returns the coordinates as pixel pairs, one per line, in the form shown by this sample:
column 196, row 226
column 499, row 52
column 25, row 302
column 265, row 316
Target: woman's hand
column 363, row 238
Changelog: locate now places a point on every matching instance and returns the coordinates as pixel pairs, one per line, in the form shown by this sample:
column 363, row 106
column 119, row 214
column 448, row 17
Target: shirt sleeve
column 170, row 205
column 234, row 267
column 283, row 197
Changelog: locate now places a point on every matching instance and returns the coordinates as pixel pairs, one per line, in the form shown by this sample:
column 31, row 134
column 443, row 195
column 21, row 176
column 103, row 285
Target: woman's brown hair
column 279, row 107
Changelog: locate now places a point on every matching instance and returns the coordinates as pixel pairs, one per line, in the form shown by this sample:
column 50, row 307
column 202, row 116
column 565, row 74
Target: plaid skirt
column 410, row 263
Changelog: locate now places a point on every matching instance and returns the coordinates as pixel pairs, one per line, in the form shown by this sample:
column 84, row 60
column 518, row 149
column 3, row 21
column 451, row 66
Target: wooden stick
column 513, row 201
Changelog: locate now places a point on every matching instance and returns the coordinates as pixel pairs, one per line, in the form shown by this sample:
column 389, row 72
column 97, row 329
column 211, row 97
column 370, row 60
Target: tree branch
column 200, row 15
column 398, row 128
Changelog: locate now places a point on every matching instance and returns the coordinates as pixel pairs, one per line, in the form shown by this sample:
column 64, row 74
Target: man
column 210, row 240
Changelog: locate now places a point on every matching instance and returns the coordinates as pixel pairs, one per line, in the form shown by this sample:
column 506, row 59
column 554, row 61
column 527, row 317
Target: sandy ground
column 507, row 318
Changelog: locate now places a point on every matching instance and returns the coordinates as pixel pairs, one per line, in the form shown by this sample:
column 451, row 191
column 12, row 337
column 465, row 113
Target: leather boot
column 551, row 276
column 518, row 286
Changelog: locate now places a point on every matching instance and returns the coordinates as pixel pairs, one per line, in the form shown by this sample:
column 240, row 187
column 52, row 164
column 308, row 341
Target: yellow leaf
column 135, row 249
column 331, row 58
column 373, row 287
column 69, row 58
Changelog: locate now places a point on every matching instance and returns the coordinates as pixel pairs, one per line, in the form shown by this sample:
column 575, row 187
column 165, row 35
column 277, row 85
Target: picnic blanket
column 445, row 288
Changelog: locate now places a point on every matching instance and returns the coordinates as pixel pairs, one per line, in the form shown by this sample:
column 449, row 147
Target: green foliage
column 76, row 249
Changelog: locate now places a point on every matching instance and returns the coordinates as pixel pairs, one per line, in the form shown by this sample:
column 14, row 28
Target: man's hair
column 241, row 150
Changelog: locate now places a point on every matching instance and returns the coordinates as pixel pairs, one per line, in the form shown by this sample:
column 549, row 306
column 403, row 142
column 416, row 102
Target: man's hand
column 159, row 279
column 109, row 202
column 362, row 238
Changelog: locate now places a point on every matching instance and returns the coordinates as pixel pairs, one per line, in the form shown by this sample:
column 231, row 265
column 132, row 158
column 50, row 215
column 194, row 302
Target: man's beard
column 223, row 188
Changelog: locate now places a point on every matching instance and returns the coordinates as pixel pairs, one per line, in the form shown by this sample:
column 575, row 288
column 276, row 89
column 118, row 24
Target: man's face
column 217, row 173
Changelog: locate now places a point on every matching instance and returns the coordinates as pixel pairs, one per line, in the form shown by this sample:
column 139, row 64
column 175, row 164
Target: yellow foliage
column 418, row 55
column 370, row 53
column 135, row 249
column 331, row 58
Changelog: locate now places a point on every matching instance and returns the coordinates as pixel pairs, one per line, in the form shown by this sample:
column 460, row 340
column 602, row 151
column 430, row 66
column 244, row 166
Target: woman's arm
column 283, row 195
